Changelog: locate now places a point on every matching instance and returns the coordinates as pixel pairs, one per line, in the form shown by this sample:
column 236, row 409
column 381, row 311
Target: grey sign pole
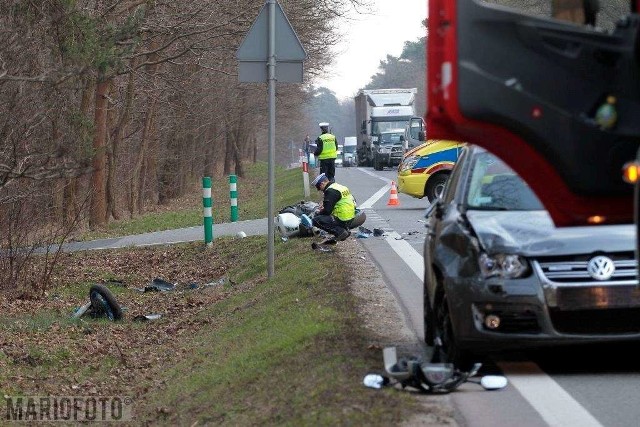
column 271, row 64
column 259, row 53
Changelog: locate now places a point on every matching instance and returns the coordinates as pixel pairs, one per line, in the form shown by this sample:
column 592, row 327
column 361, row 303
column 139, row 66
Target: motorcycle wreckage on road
column 297, row 221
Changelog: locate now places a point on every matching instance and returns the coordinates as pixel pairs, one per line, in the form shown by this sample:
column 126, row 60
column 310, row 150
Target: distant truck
column 381, row 111
column 349, row 156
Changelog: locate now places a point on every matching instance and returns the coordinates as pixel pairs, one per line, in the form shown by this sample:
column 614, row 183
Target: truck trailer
column 382, row 112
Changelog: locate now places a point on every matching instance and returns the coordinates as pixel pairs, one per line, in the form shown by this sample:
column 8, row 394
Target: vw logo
column 601, row 267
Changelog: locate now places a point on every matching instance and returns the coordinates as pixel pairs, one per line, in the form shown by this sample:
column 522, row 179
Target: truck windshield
column 390, row 138
column 379, row 127
column 350, row 149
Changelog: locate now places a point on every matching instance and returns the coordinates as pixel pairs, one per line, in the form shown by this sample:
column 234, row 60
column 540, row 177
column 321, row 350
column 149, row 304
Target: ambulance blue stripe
column 449, row 155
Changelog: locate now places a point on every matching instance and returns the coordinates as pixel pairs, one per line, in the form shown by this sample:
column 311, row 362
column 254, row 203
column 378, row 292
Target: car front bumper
column 527, row 320
column 390, row 159
column 412, row 184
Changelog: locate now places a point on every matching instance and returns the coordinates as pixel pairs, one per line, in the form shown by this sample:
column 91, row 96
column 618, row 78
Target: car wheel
column 448, row 350
column 435, row 186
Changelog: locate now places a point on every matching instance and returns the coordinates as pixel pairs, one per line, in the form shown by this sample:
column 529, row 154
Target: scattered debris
column 145, row 317
column 364, row 233
column 241, row 234
column 220, row 282
column 375, row 381
column 377, row 232
column 437, row 378
column 158, row 285
column 81, row 311
column 320, row 248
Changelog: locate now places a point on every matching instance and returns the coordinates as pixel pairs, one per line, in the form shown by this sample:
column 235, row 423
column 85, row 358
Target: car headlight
column 506, row 266
column 385, row 150
column 408, row 163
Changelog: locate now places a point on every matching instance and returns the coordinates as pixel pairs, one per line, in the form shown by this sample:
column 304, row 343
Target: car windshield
column 350, row 149
column 495, row 186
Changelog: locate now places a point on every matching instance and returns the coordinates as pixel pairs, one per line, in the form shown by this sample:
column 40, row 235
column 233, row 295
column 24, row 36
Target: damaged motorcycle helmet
column 288, row 224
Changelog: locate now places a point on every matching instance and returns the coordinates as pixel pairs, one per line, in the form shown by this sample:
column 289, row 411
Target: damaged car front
column 498, row 274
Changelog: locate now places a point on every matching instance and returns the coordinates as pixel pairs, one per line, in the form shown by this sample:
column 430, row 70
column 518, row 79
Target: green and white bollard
column 207, row 204
column 233, row 194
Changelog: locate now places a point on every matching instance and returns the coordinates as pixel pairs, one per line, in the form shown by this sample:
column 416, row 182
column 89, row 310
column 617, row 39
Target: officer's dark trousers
column 328, row 167
column 330, row 224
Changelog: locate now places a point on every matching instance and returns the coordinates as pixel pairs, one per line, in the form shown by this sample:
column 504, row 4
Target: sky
column 368, row 39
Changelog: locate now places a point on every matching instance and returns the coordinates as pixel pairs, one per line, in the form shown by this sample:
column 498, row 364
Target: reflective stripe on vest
column 345, row 209
column 329, row 147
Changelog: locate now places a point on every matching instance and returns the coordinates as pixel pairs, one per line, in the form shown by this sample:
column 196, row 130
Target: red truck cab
column 528, row 88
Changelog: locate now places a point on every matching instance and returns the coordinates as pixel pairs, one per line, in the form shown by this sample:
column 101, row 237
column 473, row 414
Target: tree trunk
column 112, row 162
column 228, row 148
column 72, row 206
column 98, row 212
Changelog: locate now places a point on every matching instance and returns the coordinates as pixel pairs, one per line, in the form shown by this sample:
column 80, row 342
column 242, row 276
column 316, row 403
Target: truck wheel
column 435, row 186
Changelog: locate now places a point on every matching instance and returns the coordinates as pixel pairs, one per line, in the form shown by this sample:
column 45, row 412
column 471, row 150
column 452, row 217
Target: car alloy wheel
column 435, row 186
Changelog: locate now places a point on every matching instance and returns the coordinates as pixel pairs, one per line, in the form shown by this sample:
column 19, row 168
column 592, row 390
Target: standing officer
column 327, row 151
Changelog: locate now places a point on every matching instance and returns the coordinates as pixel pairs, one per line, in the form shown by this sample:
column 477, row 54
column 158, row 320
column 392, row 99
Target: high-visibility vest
column 329, row 147
column 345, row 209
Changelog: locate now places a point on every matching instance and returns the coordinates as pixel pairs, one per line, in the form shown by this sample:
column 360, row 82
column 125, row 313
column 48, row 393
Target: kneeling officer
column 337, row 210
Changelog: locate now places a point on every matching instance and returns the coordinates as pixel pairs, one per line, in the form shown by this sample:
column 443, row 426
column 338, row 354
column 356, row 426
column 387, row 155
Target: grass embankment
column 286, row 351
column 187, row 211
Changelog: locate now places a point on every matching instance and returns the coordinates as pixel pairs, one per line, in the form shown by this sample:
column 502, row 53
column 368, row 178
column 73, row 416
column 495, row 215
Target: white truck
column 349, row 156
column 378, row 112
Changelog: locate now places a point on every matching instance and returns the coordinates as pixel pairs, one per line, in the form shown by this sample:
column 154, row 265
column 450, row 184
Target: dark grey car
column 498, row 274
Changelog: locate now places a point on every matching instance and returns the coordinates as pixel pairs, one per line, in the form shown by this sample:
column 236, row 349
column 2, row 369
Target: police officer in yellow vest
column 327, row 151
column 338, row 208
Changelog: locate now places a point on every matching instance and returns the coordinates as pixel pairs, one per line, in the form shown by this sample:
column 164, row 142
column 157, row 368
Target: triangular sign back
column 255, row 46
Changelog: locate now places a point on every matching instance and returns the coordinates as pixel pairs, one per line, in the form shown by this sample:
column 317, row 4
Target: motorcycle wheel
column 103, row 302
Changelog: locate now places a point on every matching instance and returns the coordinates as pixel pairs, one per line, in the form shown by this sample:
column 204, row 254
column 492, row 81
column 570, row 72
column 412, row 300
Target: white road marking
column 373, row 199
column 375, row 175
column 547, row 397
column 407, row 253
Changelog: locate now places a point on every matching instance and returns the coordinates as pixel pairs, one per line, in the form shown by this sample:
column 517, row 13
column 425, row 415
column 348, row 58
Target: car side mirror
column 421, row 136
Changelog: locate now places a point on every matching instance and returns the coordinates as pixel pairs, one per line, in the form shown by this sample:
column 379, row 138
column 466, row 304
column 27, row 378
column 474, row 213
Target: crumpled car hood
column 532, row 233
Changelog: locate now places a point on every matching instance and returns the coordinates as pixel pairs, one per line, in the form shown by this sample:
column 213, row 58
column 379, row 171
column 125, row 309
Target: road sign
column 253, row 52
column 270, row 52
